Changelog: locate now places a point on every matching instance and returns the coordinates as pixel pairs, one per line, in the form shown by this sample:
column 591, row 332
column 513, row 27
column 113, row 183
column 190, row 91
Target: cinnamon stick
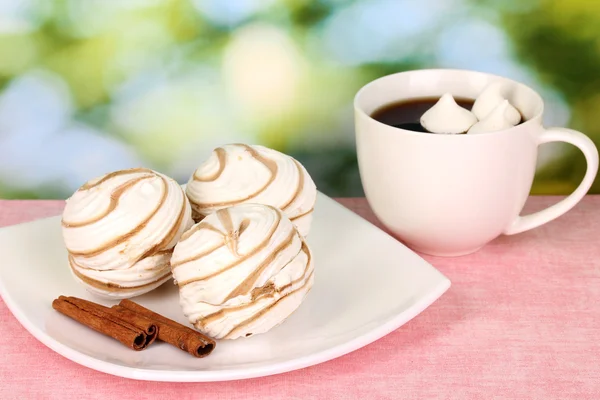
column 134, row 331
column 172, row 332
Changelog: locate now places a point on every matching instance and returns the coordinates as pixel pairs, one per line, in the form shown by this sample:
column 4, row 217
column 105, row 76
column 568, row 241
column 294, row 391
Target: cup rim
column 525, row 124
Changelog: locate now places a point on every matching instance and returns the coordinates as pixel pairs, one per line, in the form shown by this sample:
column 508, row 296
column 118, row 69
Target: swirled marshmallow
column 239, row 173
column 241, row 271
column 120, row 230
column 495, row 121
column 447, row 117
column 489, row 99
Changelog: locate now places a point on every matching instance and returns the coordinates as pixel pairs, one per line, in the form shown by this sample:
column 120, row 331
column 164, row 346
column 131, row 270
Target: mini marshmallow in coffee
column 447, row 117
column 489, row 99
column 496, row 120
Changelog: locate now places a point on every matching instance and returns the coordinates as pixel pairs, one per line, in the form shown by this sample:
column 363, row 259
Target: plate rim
column 276, row 368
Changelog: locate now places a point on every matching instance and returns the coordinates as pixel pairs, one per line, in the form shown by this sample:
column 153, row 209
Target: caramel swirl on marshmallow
column 120, row 230
column 241, row 271
column 239, row 173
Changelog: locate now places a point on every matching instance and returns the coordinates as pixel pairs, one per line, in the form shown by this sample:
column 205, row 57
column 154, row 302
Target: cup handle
column 589, row 150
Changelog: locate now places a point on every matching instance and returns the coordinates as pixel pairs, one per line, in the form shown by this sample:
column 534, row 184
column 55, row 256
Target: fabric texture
column 521, row 321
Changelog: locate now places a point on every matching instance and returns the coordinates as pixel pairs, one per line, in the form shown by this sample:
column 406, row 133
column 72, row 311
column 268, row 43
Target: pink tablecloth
column 521, row 321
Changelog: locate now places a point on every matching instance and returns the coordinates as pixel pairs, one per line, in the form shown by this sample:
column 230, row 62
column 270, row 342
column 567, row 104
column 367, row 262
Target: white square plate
column 367, row 284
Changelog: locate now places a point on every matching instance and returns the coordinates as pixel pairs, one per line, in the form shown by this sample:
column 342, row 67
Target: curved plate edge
column 204, row 376
column 218, row 376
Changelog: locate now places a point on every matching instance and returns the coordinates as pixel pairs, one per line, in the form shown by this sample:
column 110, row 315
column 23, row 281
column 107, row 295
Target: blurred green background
column 89, row 86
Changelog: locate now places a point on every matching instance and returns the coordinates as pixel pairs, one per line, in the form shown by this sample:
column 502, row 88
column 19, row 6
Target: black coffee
column 406, row 114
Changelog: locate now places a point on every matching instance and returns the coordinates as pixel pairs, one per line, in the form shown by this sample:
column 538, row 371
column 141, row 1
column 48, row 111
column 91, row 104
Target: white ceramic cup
column 449, row 195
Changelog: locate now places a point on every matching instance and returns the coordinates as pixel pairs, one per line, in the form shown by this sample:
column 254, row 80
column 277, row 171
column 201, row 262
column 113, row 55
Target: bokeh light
column 90, row 86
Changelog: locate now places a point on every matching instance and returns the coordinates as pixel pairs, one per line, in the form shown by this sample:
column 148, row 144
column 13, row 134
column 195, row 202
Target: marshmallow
column 239, row 173
column 447, row 117
column 120, row 229
column 495, row 121
column 241, row 271
column 489, row 99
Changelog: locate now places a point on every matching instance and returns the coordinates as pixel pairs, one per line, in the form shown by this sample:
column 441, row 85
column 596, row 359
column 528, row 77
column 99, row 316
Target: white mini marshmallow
column 495, row 121
column 489, row 99
column 447, row 117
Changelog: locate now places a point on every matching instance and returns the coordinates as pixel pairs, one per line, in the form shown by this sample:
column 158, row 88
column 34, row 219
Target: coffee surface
column 406, row 114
